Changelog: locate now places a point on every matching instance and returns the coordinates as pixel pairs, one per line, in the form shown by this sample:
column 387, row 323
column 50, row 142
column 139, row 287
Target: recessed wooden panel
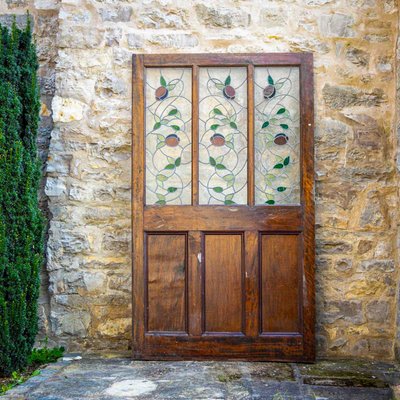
column 223, row 283
column 280, row 283
column 166, row 282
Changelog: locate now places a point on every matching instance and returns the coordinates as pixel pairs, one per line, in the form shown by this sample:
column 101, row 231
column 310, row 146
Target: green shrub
column 45, row 355
column 21, row 222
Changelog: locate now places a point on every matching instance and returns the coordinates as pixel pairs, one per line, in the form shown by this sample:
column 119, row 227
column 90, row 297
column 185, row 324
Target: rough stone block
column 326, row 246
column 120, row 282
column 55, row 187
column 364, row 246
column 376, row 38
column 16, row 3
column 167, row 17
column 79, row 193
column 336, row 25
column 135, row 40
column 113, row 37
column 95, row 282
column 67, row 109
column 273, row 17
column 380, row 348
column 176, row 40
column 116, row 14
column 332, row 133
column 338, row 97
column 115, row 327
column 110, row 84
column 47, row 4
column 349, row 311
column 377, row 311
column 116, row 243
column 78, row 37
column 70, row 322
column 75, row 85
column 74, row 242
column 372, row 215
column 357, row 56
column 20, row 20
column 59, row 164
column 378, row 265
column 222, row 17
column 344, row 265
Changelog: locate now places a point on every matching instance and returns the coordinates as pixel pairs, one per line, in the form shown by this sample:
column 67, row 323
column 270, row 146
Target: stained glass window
column 277, row 135
column 223, row 136
column 168, row 135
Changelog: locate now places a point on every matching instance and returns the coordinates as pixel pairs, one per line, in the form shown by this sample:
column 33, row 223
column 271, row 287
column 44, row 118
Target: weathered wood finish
column 280, row 280
column 233, row 218
column 223, row 282
column 166, row 283
column 138, row 155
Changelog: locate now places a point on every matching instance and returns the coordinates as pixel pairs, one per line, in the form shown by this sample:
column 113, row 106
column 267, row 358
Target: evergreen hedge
column 21, row 221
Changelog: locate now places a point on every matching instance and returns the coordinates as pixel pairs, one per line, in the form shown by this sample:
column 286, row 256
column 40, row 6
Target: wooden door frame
column 305, row 63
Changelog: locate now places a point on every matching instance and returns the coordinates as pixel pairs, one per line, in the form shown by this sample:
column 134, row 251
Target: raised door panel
column 280, row 283
column 166, row 283
column 223, row 286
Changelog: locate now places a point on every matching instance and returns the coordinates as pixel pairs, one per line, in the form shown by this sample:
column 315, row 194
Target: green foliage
column 21, row 222
column 16, row 379
column 45, row 355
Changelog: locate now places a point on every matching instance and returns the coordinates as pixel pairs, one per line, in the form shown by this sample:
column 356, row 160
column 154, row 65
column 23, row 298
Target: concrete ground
column 95, row 377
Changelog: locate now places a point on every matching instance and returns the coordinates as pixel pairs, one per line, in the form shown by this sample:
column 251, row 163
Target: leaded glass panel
column 223, row 135
column 168, row 95
column 277, row 136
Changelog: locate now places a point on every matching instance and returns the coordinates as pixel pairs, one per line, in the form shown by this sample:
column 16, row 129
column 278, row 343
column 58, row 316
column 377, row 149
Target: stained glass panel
column 168, row 94
column 277, row 135
column 223, row 135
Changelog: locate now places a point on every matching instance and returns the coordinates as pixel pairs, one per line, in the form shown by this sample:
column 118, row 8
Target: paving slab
column 95, row 377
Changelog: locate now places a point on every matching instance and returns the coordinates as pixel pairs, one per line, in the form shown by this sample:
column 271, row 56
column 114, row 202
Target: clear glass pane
column 168, row 95
column 223, row 136
column 277, row 135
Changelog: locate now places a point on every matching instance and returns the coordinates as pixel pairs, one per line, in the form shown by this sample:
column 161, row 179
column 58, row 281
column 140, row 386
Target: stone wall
column 88, row 168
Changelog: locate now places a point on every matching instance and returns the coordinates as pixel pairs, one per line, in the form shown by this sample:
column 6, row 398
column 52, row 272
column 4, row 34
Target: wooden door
column 223, row 209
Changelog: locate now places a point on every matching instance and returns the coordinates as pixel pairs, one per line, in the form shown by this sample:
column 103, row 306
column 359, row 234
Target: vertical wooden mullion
column 194, row 245
column 138, row 152
column 195, row 283
column 195, row 135
column 252, row 272
column 250, row 135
